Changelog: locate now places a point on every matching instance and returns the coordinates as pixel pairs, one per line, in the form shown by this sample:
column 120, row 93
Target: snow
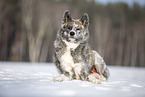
column 36, row 80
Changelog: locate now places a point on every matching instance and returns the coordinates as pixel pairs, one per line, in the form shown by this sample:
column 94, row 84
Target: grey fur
column 73, row 56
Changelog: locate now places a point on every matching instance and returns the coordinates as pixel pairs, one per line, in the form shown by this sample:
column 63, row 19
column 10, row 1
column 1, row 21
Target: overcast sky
column 130, row 2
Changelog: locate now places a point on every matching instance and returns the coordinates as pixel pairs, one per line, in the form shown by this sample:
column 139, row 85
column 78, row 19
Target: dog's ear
column 85, row 20
column 66, row 16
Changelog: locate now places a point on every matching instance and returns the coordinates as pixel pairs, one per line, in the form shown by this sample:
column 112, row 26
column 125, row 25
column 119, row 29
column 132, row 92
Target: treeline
column 28, row 29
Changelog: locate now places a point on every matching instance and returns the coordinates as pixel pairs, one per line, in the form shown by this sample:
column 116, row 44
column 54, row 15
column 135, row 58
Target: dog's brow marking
column 75, row 25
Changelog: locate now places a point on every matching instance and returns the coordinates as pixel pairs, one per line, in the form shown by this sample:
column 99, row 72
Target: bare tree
column 33, row 42
column 4, row 30
column 34, row 35
column 101, row 29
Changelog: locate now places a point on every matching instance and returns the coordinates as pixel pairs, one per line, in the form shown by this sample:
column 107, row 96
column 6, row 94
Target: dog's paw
column 61, row 78
column 94, row 79
column 103, row 79
column 58, row 79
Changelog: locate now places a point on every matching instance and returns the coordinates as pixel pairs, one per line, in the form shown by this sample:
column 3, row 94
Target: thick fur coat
column 73, row 56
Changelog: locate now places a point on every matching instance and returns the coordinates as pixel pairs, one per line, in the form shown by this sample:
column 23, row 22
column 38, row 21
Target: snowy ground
column 35, row 80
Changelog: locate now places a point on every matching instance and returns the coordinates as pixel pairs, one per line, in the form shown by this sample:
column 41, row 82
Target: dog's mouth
column 72, row 40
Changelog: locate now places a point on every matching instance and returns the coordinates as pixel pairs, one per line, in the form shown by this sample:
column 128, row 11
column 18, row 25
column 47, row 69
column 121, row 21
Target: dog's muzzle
column 72, row 33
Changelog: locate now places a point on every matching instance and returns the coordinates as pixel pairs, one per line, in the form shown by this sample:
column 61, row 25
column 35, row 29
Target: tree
column 34, row 37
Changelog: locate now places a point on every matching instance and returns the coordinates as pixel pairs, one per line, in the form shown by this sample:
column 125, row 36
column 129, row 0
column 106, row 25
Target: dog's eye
column 78, row 29
column 69, row 27
column 64, row 27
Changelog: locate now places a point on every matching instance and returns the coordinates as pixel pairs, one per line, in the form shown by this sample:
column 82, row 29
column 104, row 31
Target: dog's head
column 74, row 30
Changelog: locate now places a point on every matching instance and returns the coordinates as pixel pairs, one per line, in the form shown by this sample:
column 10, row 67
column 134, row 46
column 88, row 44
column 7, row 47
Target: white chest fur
column 67, row 61
column 67, row 57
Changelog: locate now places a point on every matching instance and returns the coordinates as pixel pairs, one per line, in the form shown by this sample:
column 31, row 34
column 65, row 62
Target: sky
column 129, row 2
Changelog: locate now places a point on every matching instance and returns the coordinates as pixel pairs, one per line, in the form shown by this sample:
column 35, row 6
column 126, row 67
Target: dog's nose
column 72, row 33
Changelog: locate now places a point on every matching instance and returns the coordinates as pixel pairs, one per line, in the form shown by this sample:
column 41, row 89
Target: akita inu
column 73, row 56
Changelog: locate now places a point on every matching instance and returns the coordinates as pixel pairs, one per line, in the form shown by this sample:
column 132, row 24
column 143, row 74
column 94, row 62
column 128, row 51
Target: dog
column 73, row 57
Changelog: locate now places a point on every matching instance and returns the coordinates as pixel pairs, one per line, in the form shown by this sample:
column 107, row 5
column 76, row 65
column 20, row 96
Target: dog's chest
column 67, row 58
column 67, row 61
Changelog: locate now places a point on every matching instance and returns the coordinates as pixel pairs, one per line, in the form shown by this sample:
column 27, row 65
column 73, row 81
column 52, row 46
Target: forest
column 28, row 29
